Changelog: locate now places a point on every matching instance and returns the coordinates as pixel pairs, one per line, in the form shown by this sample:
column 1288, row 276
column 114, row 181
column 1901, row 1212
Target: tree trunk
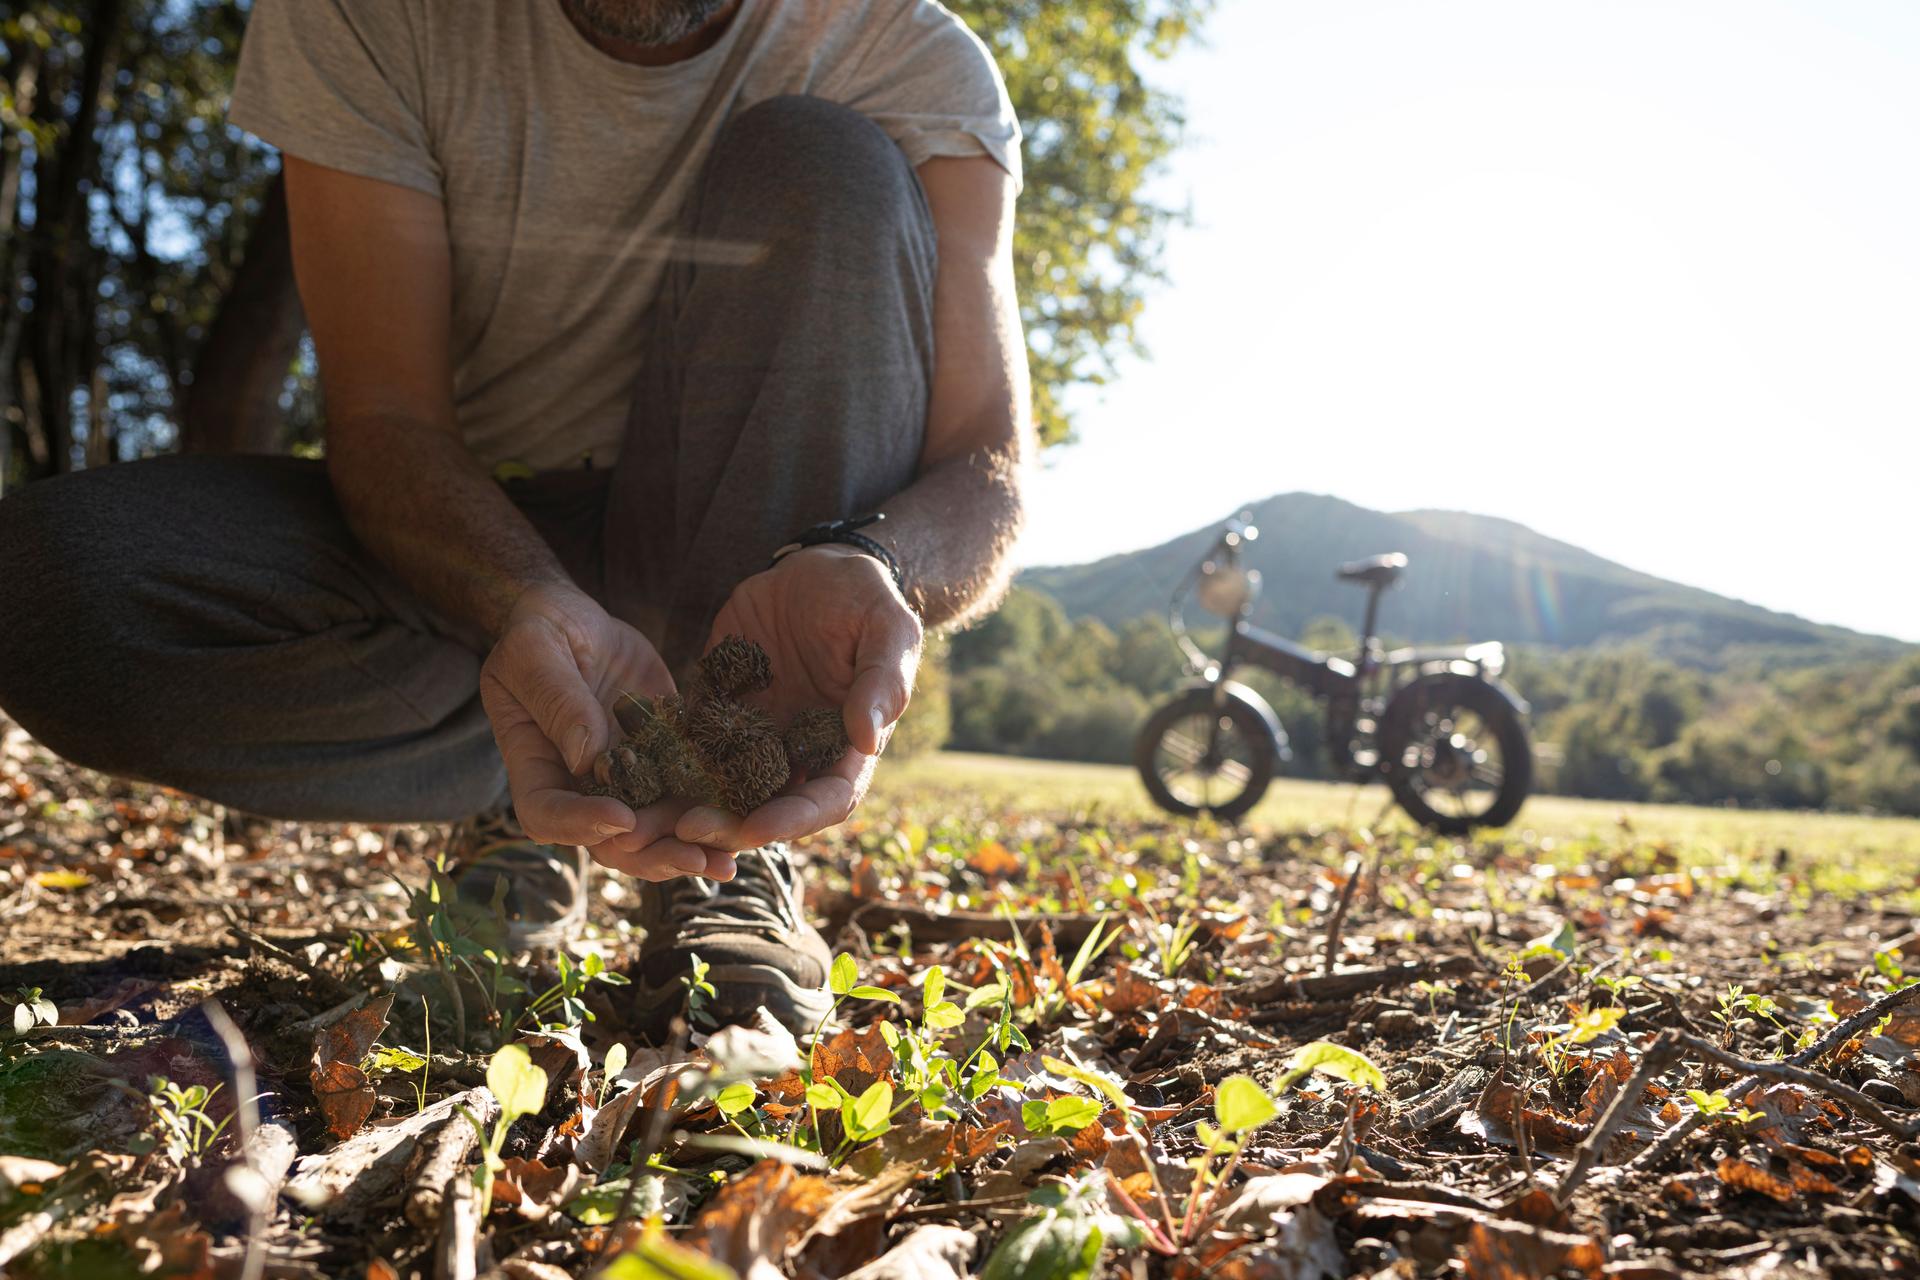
column 233, row 402
column 61, row 323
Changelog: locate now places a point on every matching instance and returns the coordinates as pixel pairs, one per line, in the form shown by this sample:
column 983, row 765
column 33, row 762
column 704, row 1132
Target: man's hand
column 548, row 687
column 840, row 636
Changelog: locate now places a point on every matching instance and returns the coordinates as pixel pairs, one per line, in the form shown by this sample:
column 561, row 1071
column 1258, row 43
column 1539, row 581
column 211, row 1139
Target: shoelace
column 760, row 896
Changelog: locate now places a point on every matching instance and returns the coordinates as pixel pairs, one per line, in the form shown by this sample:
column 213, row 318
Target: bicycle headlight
column 1227, row 590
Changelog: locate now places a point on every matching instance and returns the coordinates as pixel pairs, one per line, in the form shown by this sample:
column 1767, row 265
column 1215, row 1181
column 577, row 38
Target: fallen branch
column 929, row 926
column 1659, row 1056
column 1344, row 986
column 1443, row 1102
column 446, row 1158
column 455, row 1256
column 1903, row 1130
column 1839, row 1034
column 1331, row 956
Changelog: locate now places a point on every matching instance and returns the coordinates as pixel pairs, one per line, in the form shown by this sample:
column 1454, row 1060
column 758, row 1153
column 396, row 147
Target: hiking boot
column 500, row 875
column 749, row 932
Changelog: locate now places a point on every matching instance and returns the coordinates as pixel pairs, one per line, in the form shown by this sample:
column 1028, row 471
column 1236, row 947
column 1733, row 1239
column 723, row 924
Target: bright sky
column 1644, row 276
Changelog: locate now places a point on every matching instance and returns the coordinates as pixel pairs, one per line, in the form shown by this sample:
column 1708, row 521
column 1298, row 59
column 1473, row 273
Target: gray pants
column 212, row 624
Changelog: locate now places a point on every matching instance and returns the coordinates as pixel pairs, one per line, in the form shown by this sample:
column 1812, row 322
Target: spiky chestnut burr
column 735, row 666
column 817, row 739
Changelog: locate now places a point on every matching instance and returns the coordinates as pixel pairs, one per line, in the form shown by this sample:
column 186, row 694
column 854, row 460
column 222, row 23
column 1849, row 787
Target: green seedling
column 1717, row 1105
column 180, row 1118
column 610, row 1069
column 520, row 1088
column 1587, row 1026
column 32, row 1009
column 563, row 1004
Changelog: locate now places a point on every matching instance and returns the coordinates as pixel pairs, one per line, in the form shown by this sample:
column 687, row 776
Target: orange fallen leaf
column 340, row 1087
column 993, row 859
column 1744, row 1176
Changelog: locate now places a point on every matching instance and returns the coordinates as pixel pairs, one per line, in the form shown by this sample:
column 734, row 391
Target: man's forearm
column 427, row 510
column 953, row 532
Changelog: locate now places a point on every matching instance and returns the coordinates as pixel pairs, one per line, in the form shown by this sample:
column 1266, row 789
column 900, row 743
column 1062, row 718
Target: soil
column 1505, row 992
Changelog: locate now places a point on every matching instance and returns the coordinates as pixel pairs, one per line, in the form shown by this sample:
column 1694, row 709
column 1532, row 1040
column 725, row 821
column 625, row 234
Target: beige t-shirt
column 563, row 170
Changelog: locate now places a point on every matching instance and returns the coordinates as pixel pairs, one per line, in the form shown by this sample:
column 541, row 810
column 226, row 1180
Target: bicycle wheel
column 1456, row 754
column 1199, row 756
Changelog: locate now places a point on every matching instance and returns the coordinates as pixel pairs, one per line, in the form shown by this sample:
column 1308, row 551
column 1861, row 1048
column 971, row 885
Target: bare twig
column 1343, row 986
column 247, row 1181
column 455, row 1254
column 1837, row 1035
column 1332, row 954
column 657, row 1117
column 1660, row 1055
column 1906, row 1131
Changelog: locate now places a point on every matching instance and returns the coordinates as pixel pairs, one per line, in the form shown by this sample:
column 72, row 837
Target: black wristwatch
column 847, row 533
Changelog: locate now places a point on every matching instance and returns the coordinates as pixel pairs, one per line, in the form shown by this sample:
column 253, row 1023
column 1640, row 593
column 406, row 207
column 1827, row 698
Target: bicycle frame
column 1354, row 692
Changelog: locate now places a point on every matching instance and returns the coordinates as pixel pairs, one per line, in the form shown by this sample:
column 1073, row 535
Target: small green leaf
column 987, row 994
column 734, row 1099
column 867, row 1115
column 1105, row 1084
column 386, row 1058
column 874, row 993
column 933, row 985
column 825, row 1095
column 519, row 1085
column 844, row 975
column 1240, row 1104
column 1709, row 1103
column 944, row 1015
column 1335, row 1060
column 616, row 1061
column 1591, row 1024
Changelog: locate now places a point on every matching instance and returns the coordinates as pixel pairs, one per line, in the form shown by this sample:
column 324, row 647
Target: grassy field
column 1848, row 850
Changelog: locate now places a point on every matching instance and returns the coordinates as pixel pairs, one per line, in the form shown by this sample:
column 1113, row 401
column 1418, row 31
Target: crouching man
column 614, row 300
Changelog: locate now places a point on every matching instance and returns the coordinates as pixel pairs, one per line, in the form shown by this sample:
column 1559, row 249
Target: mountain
column 1469, row 577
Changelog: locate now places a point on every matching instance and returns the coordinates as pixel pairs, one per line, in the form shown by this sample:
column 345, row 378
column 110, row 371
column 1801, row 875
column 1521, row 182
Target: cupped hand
column 548, row 687
column 839, row 635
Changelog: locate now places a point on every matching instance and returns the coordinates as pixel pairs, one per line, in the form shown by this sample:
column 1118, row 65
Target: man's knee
column 57, row 600
column 815, row 163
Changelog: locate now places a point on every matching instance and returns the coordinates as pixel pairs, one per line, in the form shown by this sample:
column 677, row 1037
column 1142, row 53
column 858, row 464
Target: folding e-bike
column 1437, row 725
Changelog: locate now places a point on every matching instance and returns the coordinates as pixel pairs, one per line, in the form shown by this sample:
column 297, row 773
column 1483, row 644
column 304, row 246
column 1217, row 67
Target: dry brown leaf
column 1131, row 993
column 752, row 1221
column 1501, row 1109
column 936, row 1252
column 380, row 1269
column 1742, row 1175
column 123, row 992
column 533, row 1189
column 168, row 1245
column 340, row 1087
column 1514, row 1251
column 857, row 1058
column 994, row 860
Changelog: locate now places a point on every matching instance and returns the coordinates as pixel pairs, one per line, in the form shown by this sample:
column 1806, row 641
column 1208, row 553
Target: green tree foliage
column 125, row 207
column 128, row 207
column 1087, row 241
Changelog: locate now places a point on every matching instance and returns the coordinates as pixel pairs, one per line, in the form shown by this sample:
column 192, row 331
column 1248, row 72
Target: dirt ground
column 1630, row 1064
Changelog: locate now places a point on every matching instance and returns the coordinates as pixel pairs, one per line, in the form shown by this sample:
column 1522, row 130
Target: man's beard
column 644, row 22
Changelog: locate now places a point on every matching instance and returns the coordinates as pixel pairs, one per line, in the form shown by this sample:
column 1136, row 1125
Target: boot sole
column 741, row 990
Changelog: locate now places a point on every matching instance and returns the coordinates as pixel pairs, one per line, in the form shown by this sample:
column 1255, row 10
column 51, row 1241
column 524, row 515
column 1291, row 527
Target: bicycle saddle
column 1375, row 571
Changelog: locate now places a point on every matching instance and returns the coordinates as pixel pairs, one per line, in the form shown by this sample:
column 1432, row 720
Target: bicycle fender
column 1457, row 669
column 1253, row 702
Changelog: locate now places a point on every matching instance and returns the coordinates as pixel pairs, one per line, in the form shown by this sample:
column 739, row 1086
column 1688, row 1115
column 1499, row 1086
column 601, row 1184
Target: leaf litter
column 1065, row 1045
